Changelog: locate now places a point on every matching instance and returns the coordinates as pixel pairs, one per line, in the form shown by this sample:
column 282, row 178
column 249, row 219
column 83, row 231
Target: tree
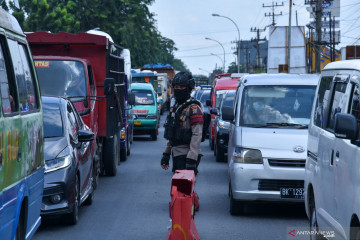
column 232, row 68
column 129, row 22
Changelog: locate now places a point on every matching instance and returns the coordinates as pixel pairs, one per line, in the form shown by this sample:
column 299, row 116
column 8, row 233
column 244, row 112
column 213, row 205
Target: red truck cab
column 104, row 63
column 220, row 85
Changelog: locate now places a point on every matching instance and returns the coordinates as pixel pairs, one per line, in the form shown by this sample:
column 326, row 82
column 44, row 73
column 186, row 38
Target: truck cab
column 105, row 64
column 71, row 78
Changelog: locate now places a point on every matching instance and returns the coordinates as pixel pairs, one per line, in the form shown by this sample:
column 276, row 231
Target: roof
column 143, row 74
column 142, row 86
column 227, row 83
column 9, row 22
column 281, row 79
column 39, row 57
column 53, row 100
column 345, row 64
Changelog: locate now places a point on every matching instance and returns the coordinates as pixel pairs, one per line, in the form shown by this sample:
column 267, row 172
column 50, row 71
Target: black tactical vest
column 176, row 135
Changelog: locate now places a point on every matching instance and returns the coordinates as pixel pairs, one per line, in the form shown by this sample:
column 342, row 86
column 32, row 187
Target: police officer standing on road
column 183, row 126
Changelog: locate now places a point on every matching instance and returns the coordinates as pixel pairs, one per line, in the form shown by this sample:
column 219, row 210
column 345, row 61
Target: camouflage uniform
column 191, row 120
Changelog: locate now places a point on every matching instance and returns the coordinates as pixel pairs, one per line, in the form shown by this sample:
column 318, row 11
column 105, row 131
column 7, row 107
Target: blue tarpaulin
column 157, row 65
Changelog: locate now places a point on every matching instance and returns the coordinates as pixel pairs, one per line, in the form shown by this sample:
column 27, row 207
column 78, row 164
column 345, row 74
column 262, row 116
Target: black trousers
column 179, row 163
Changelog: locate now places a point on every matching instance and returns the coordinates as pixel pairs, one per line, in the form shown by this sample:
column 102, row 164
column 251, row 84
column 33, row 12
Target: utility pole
column 257, row 40
column 273, row 15
column 289, row 37
column 318, row 20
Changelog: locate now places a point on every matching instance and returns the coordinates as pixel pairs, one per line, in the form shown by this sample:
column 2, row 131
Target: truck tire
column 153, row 134
column 123, row 153
column 111, row 155
column 128, row 146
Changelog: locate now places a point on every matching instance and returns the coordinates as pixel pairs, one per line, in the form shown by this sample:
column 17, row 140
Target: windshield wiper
column 296, row 125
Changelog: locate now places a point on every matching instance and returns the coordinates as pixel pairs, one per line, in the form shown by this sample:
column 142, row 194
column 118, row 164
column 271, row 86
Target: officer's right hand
column 165, row 161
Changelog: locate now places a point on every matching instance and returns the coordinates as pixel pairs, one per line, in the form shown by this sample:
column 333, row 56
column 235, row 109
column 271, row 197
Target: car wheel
column 19, row 234
column 73, row 217
column 236, row 207
column 313, row 222
column 123, row 154
column 219, row 154
column 90, row 199
column 153, row 135
column 111, row 155
column 95, row 174
column 128, row 146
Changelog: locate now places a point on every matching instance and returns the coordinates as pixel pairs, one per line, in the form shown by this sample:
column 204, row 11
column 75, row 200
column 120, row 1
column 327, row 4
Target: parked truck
column 98, row 88
column 163, row 68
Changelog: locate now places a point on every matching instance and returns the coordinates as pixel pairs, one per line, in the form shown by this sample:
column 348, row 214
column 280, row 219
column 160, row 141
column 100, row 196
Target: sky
column 189, row 22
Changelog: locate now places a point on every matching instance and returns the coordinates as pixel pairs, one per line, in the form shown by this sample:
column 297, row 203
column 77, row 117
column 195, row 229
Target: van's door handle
column 337, row 154
column 332, row 158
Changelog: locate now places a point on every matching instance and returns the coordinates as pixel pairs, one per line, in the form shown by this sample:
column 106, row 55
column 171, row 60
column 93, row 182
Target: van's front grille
column 139, row 116
column 287, row 163
column 275, row 185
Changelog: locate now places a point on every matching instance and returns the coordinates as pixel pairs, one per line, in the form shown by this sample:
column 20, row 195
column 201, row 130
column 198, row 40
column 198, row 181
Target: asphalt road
column 134, row 204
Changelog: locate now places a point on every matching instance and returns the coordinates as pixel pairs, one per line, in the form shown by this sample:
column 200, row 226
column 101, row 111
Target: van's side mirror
column 214, row 111
column 85, row 136
column 109, row 86
column 346, row 126
column 228, row 113
column 131, row 98
column 159, row 101
column 208, row 103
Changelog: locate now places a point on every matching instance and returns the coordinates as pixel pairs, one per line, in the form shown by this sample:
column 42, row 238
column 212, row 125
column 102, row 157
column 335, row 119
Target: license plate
column 137, row 122
column 293, row 193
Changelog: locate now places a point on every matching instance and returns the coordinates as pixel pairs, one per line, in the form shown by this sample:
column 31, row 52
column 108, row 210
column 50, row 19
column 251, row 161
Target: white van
column 267, row 140
column 332, row 173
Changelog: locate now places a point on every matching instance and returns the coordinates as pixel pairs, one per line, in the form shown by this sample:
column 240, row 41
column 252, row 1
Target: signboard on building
column 329, row 8
column 326, row 24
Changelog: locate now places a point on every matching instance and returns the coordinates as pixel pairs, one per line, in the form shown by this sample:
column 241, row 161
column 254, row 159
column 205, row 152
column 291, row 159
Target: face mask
column 181, row 95
column 258, row 106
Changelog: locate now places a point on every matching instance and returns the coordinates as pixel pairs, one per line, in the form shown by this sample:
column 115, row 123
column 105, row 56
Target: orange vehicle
column 220, row 86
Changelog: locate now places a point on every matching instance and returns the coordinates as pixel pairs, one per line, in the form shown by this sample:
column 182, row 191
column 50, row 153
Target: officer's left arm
column 196, row 121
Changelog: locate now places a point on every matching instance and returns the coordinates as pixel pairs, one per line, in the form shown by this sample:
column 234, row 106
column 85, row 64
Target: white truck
column 163, row 81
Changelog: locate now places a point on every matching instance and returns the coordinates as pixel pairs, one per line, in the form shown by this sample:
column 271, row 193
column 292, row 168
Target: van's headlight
column 223, row 124
column 245, row 155
column 57, row 163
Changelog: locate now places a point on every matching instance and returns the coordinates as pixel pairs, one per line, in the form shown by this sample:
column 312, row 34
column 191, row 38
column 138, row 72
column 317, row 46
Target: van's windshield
column 60, row 78
column 143, row 97
column 219, row 96
column 277, row 106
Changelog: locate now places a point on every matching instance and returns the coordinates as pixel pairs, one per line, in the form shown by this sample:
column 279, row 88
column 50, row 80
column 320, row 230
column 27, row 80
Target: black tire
column 219, row 154
column 111, row 155
column 90, row 199
column 95, row 174
column 123, row 154
column 153, row 135
column 313, row 221
column 128, row 146
column 236, row 207
column 20, row 229
column 73, row 217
